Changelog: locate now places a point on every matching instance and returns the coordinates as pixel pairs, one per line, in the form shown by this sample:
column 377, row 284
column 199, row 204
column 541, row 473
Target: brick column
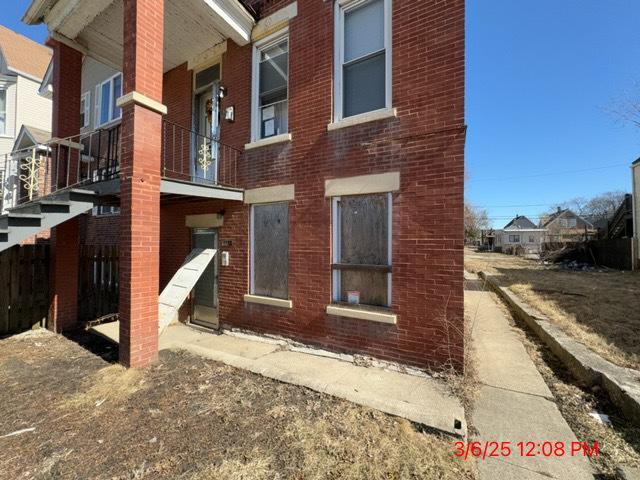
column 63, row 268
column 140, row 181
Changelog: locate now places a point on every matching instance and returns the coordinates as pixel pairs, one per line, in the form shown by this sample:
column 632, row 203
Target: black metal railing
column 44, row 169
column 188, row 155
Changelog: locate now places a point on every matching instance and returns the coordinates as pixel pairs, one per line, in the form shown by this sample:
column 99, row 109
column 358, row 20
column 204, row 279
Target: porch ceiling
column 191, row 27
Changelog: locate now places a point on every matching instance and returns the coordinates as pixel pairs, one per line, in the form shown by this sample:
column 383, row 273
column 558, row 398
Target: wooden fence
column 24, row 288
column 98, row 294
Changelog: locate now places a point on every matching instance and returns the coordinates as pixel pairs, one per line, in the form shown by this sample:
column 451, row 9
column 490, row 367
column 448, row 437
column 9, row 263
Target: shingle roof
column 520, row 222
column 22, row 54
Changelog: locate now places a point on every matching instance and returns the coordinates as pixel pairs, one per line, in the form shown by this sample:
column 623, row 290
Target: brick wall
column 425, row 143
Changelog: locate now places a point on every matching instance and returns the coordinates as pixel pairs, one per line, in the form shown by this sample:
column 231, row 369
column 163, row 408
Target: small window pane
column 365, row 86
column 207, row 77
column 3, row 111
column 274, row 68
column 364, row 230
column 105, row 102
column 274, row 119
column 364, row 30
column 117, row 93
column 270, row 256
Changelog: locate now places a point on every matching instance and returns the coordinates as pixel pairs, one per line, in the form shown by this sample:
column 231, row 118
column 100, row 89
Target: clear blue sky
column 11, row 12
column 541, row 75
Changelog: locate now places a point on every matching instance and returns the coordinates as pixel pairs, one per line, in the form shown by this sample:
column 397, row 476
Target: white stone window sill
column 362, row 314
column 363, row 118
column 273, row 302
column 285, row 137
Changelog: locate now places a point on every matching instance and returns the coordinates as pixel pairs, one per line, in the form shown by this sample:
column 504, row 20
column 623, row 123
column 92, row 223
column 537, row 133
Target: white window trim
column 252, row 273
column 336, row 235
column 86, row 98
column 255, row 83
column 342, row 6
column 112, row 119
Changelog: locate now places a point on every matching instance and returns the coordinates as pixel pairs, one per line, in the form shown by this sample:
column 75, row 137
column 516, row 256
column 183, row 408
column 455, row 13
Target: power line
column 537, row 175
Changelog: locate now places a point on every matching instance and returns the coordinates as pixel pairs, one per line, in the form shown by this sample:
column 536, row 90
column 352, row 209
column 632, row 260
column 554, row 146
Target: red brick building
column 318, row 146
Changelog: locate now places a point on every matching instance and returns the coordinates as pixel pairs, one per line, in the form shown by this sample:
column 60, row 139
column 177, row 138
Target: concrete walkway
column 514, row 403
column 417, row 398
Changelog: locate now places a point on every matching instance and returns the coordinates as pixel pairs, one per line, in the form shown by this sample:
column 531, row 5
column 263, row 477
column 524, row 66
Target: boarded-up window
column 362, row 258
column 270, row 250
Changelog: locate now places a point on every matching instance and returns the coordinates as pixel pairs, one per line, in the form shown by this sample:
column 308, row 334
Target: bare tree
column 600, row 207
column 603, row 206
column 475, row 220
column 626, row 109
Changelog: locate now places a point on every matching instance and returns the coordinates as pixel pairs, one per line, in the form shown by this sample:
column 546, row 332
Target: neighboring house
column 520, row 236
column 565, row 226
column 325, row 171
column 23, row 64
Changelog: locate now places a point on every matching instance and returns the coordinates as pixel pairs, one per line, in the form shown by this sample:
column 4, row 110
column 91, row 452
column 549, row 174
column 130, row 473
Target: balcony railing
column 188, row 156
column 191, row 156
column 44, row 169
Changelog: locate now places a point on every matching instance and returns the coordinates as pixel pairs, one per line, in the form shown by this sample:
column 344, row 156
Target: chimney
column 559, row 209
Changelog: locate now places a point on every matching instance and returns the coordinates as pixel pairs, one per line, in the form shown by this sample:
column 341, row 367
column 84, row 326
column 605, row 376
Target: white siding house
column 23, row 64
column 520, row 236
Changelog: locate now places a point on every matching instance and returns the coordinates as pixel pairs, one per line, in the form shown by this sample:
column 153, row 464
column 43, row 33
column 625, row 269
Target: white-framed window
column 532, row 239
column 362, row 249
column 362, row 57
column 269, row 250
column 514, row 238
column 270, row 89
column 105, row 210
column 107, row 93
column 3, row 111
column 85, row 110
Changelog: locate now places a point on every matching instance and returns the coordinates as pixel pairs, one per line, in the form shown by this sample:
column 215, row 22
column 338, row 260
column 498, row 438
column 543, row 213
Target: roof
column 550, row 218
column 30, row 136
column 520, row 222
column 637, row 162
column 23, row 55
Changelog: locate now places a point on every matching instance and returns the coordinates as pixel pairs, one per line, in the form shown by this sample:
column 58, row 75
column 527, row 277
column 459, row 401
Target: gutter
column 36, row 12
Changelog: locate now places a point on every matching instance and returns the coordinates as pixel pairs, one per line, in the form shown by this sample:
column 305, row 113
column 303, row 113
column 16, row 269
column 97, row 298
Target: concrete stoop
column 621, row 384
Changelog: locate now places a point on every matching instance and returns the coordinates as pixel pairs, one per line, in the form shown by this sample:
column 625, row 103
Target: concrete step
column 20, row 220
column 4, row 235
column 43, row 206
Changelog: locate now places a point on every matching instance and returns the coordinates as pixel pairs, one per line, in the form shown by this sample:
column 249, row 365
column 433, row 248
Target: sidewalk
column 423, row 400
column 514, row 404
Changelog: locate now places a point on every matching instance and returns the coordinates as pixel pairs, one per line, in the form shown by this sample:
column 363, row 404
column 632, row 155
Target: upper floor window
column 3, row 111
column 85, row 106
column 107, row 93
column 271, row 86
column 363, row 57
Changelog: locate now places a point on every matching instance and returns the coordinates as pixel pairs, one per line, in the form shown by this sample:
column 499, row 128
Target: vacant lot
column 599, row 309
column 67, row 413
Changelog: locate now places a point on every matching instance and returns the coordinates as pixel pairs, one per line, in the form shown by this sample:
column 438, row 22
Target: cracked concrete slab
column 426, row 401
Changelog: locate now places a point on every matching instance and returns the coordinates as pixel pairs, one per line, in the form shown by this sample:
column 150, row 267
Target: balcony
column 192, row 165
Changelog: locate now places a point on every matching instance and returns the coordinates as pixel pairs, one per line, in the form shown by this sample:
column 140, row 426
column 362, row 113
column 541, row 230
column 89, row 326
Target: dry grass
column 619, row 442
column 192, row 418
column 599, row 309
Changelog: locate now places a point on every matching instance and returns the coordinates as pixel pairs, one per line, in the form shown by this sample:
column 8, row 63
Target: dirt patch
column 599, row 309
column 192, row 418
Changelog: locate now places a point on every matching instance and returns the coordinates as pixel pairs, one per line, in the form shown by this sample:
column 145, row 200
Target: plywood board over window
column 362, row 258
column 270, row 250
